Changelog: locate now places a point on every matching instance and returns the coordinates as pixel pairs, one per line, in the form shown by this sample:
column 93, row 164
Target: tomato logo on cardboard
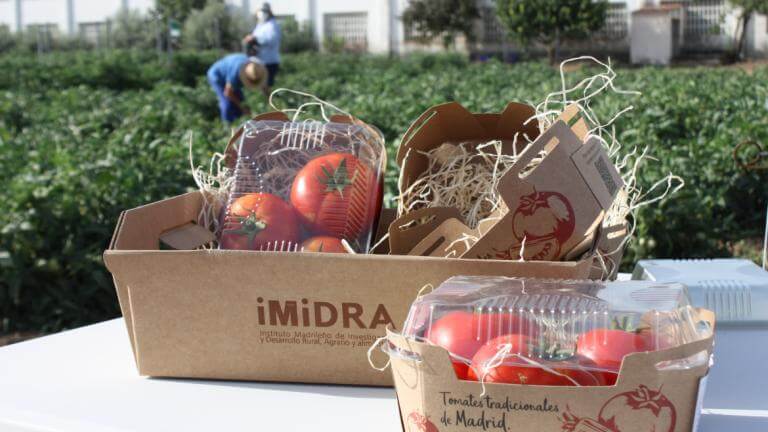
column 544, row 221
column 641, row 410
column 420, row 423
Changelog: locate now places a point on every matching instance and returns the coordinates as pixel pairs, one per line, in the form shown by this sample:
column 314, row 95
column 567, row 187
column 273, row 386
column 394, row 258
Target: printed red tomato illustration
column 572, row 423
column 463, row 333
column 642, row 410
column 544, row 220
column 420, row 423
column 260, row 221
column 607, row 347
column 512, row 359
column 337, row 195
column 326, row 244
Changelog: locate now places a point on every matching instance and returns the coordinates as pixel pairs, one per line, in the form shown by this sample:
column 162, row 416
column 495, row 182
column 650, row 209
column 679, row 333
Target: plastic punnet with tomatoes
column 304, row 187
column 546, row 332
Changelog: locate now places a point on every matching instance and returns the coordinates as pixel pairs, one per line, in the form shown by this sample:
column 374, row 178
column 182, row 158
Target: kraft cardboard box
column 649, row 395
column 268, row 316
column 552, row 211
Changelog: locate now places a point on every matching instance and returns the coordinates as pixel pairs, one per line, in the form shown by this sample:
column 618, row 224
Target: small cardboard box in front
column 658, row 391
column 268, row 316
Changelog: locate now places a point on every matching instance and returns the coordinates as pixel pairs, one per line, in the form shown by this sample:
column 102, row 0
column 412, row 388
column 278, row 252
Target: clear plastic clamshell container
column 547, row 332
column 305, row 186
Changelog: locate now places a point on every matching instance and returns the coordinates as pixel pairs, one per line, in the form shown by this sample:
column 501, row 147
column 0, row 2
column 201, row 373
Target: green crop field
column 86, row 135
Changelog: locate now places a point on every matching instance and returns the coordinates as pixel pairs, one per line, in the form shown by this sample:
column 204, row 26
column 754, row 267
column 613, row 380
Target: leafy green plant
column 177, row 9
column 334, row 44
column 215, row 26
column 8, row 40
column 297, row 37
column 132, row 29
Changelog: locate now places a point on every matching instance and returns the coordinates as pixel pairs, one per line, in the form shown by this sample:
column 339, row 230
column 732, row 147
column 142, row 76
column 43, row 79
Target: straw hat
column 253, row 74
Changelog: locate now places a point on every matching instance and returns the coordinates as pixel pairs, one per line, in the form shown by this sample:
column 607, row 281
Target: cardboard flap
column 440, row 242
column 436, row 125
column 141, row 228
column 559, row 136
column 586, row 246
column 342, row 118
column 610, row 237
column 513, row 120
column 572, row 116
column 187, row 237
column 433, row 359
column 408, row 230
column 598, row 171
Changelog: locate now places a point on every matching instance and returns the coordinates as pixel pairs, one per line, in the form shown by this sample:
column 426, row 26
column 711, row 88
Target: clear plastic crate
column 547, row 332
column 305, row 186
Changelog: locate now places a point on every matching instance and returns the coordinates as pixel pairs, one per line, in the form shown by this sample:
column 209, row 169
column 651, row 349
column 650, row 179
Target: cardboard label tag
column 441, row 241
column 598, row 172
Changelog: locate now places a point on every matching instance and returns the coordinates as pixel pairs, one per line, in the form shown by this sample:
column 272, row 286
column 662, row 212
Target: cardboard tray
column 648, row 396
column 269, row 316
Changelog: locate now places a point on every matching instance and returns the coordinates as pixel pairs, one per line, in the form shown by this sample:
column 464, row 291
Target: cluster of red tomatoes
column 504, row 348
column 334, row 196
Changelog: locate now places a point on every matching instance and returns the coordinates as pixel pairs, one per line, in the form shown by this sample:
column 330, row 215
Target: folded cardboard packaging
column 656, row 391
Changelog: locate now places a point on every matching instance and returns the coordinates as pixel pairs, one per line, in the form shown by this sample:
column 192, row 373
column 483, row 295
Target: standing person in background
column 266, row 38
column 227, row 78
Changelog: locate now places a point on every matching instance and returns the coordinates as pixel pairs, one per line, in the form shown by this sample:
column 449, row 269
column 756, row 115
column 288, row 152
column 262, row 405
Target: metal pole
column 170, row 40
column 109, row 33
column 765, row 241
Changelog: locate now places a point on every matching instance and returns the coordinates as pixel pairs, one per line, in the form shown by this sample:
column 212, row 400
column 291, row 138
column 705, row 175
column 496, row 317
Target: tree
column 441, row 18
column 177, row 9
column 297, row 37
column 132, row 29
column 748, row 8
column 550, row 21
column 214, row 26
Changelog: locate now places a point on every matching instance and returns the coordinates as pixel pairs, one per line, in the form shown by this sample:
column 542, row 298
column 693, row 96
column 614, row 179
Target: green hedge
column 86, row 135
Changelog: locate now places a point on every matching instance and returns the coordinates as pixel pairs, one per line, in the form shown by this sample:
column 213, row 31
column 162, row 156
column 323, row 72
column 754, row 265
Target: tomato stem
column 336, row 180
column 250, row 226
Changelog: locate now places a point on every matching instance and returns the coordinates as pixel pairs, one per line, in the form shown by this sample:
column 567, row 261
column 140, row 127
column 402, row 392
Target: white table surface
column 85, row 380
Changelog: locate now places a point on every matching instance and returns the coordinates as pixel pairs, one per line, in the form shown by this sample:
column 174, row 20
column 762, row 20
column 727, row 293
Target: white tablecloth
column 85, row 380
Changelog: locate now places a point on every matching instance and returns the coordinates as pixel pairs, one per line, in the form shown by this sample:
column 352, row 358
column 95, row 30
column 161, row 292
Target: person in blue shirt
column 228, row 76
column 266, row 38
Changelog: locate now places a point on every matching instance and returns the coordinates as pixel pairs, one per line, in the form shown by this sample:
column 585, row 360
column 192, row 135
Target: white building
column 63, row 17
column 374, row 25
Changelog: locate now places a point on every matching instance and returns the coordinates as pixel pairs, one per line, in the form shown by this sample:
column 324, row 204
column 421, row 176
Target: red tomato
column 260, row 221
column 607, row 347
column 520, row 364
column 463, row 333
column 323, row 244
column 336, row 195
